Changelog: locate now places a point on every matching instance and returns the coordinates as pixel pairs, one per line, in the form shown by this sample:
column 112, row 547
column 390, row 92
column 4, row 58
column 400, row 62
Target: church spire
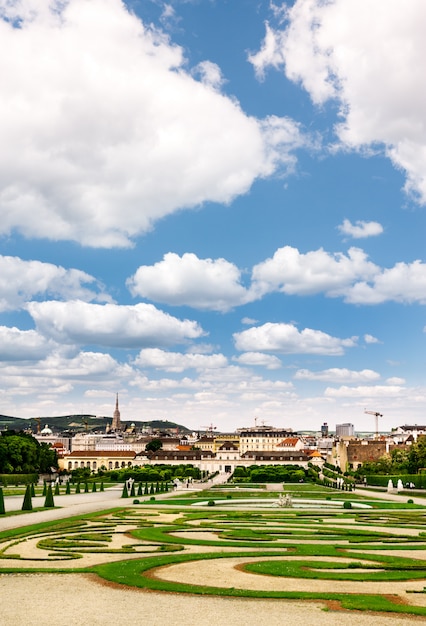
column 116, row 420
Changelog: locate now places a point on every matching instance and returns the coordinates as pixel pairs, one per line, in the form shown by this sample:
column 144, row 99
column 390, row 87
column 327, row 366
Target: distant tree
column 154, row 445
column 21, row 453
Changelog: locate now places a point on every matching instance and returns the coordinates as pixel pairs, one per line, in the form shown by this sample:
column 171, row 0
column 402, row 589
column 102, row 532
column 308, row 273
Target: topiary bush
column 27, row 504
column 347, row 504
column 2, row 509
column 49, row 502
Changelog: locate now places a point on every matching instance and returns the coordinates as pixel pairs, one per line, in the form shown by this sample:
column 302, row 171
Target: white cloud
column 81, row 323
column 367, row 55
column 213, row 284
column 351, row 276
column 405, row 282
column 104, row 130
column 360, row 229
column 371, row 339
column 269, row 361
column 395, row 380
column 22, row 345
column 20, row 281
column 209, row 73
column 287, row 339
column 318, row 271
column 248, row 321
column 216, row 284
column 375, row 391
column 177, row 362
column 338, row 375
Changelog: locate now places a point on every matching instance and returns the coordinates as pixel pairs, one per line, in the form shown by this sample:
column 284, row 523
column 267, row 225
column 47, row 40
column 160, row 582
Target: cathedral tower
column 116, row 420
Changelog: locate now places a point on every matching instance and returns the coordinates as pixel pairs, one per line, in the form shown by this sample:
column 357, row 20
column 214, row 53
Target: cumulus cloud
column 21, row 281
column 22, row 345
column 213, row 284
column 351, row 276
column 368, row 56
column 363, row 391
column 104, row 130
column 82, row 323
column 209, row 73
column 177, row 362
column 395, row 380
column 216, row 284
column 338, row 375
column 287, row 339
column 405, row 282
column 317, row 271
column 371, row 339
column 360, row 229
column 269, row 361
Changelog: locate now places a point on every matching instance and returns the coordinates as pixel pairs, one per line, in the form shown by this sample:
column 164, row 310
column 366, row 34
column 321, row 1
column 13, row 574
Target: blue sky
column 215, row 208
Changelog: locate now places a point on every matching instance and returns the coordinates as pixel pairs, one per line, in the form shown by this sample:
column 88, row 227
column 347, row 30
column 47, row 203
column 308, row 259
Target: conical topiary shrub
column 44, row 488
column 68, row 488
column 102, row 487
column 94, row 487
column 57, row 489
column 146, row 490
column 166, row 486
column 77, row 489
column 139, row 489
column 86, row 487
column 132, row 490
column 157, row 487
column 125, row 493
column 27, row 504
column 151, row 489
column 2, row 509
column 49, row 502
column 32, row 490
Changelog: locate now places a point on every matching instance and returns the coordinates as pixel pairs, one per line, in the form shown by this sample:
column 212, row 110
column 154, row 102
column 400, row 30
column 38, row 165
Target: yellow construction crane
column 376, row 415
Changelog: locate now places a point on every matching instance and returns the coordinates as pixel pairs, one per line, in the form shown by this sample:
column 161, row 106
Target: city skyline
column 215, row 209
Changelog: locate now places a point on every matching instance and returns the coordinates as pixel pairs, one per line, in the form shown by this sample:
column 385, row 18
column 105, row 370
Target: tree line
column 21, row 453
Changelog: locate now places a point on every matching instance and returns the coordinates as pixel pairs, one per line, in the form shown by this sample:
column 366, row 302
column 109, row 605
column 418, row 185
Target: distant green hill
column 79, row 423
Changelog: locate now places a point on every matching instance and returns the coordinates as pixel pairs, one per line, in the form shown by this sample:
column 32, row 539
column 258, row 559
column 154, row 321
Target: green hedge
column 18, row 479
column 418, row 480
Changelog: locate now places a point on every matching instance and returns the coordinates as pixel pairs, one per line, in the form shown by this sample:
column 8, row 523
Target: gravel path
column 80, row 600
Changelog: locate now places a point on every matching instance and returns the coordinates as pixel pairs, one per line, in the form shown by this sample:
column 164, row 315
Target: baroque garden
column 349, row 550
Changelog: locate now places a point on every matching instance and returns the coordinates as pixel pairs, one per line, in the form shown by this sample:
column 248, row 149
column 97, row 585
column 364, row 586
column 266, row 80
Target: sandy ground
column 80, row 600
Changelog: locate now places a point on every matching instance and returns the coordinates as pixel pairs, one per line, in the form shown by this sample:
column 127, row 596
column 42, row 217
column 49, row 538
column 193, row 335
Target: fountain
column 285, row 501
